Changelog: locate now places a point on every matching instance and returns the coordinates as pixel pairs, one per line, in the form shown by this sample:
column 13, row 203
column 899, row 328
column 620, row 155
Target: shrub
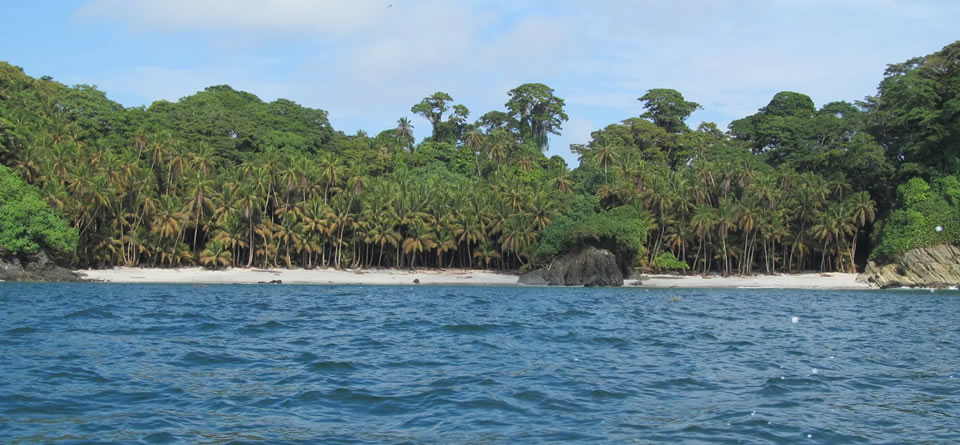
column 27, row 223
column 666, row 261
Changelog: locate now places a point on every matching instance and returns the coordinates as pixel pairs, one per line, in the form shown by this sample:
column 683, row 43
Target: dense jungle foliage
column 221, row 178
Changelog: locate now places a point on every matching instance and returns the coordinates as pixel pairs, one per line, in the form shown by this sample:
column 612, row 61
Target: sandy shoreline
column 297, row 276
column 196, row 275
column 791, row 281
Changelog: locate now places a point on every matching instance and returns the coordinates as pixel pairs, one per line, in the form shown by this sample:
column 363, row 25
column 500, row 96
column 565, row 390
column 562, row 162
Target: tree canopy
column 222, row 178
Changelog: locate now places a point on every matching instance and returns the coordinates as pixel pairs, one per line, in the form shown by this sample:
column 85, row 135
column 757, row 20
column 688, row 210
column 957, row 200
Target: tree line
column 221, row 178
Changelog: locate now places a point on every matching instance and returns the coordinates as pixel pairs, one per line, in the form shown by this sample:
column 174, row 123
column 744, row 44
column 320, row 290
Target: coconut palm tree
column 863, row 211
column 404, row 133
column 216, row 255
column 603, row 154
column 485, row 253
column 420, row 238
column 726, row 220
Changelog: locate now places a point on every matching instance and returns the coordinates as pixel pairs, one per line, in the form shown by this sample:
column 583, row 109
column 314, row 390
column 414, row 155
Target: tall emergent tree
column 668, row 109
column 537, row 112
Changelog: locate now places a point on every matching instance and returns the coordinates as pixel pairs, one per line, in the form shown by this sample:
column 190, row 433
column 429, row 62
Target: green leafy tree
column 27, row 223
column 537, row 111
column 668, row 109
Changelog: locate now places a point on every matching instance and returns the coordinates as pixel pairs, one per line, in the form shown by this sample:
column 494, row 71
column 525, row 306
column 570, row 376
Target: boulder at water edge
column 586, row 267
column 33, row 267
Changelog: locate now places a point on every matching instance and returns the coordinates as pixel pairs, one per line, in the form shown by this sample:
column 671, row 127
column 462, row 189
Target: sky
column 368, row 61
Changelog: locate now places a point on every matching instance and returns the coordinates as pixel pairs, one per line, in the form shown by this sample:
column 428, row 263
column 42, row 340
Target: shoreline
column 197, row 275
column 805, row 280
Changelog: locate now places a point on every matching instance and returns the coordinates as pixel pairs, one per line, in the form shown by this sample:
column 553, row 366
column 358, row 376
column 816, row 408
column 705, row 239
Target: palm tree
column 726, row 220
column 833, row 225
column 863, row 212
column 518, row 235
column 330, row 169
column 561, row 179
column 542, row 209
column 381, row 232
column 703, row 221
column 404, row 133
column 446, row 241
column 168, row 221
column 499, row 146
column 485, row 253
column 215, row 255
column 419, row 238
column 474, row 139
column 200, row 190
column 603, row 154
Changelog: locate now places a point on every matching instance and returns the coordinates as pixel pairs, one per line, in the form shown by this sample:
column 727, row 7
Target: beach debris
column 270, row 282
column 795, row 319
column 676, row 299
column 416, row 281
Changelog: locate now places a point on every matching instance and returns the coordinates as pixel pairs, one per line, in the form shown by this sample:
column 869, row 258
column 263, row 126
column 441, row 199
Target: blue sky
column 368, row 61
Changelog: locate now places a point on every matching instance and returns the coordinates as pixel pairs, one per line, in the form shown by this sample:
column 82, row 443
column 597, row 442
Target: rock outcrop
column 587, row 267
column 933, row 267
column 33, row 267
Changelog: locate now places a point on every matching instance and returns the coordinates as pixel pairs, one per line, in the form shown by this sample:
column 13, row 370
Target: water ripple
column 161, row 364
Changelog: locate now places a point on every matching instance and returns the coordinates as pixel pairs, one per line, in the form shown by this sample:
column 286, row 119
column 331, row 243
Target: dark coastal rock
column 934, row 267
column 34, row 267
column 587, row 267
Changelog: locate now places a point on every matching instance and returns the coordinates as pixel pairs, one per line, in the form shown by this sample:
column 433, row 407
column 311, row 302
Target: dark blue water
column 91, row 363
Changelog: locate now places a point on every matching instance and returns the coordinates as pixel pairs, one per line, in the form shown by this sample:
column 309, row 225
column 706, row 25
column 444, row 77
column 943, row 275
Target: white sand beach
column 791, row 281
column 297, row 276
column 199, row 275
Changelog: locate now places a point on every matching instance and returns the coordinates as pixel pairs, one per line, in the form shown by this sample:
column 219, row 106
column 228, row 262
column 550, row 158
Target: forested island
column 221, row 178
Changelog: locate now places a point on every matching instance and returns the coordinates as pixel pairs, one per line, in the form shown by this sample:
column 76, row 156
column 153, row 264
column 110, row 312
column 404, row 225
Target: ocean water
column 100, row 363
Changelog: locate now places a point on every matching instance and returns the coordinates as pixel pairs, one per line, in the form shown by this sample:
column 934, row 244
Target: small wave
column 332, row 366
column 163, row 437
column 21, row 331
column 530, row 396
column 490, row 404
column 204, row 359
column 262, row 328
column 76, row 374
column 93, row 312
column 470, row 328
column 784, row 384
column 683, row 382
column 608, row 395
column 610, row 341
column 484, row 344
column 208, row 326
column 306, row 357
column 568, row 314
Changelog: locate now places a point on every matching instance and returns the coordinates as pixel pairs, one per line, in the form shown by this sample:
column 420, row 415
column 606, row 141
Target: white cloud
column 367, row 63
column 273, row 15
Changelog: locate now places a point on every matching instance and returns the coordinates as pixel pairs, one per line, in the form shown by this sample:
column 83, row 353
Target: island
column 223, row 180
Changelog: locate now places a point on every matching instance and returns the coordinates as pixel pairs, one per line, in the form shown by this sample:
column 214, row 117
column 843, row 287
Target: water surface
column 100, row 363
